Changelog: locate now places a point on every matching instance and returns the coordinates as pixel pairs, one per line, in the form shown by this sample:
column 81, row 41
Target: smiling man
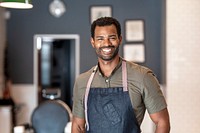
column 112, row 97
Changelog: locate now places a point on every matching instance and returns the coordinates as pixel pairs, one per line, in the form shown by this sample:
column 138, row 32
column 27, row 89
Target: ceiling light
column 57, row 8
column 18, row 4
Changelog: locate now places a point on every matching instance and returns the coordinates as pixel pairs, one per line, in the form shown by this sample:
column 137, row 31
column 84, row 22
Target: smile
column 106, row 49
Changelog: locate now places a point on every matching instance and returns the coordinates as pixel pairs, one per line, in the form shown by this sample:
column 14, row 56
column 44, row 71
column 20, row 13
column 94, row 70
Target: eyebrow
column 113, row 35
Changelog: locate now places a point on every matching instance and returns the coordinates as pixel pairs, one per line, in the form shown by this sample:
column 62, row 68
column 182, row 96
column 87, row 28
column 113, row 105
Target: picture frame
column 100, row 11
column 134, row 30
column 134, row 52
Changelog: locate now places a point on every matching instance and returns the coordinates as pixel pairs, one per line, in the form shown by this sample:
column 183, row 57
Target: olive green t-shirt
column 144, row 89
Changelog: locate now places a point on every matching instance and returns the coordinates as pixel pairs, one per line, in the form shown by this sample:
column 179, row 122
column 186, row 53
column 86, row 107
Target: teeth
column 106, row 49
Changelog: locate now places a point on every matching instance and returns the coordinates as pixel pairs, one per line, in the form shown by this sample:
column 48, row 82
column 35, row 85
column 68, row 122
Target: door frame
column 37, row 43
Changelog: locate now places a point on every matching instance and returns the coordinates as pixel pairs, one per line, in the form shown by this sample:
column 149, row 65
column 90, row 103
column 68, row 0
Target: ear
column 120, row 39
column 92, row 42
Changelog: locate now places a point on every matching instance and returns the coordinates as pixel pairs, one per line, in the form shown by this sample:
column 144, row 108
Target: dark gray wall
column 24, row 24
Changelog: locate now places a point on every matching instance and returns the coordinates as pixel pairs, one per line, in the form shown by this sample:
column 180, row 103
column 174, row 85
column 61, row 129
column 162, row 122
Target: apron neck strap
column 124, row 76
column 87, row 93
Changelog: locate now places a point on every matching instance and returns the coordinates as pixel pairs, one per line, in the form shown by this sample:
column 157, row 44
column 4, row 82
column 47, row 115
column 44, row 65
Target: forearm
column 162, row 128
column 77, row 130
column 78, row 125
column 161, row 120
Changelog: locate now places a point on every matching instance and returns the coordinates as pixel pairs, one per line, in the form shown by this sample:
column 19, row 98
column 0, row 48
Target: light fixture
column 57, row 8
column 18, row 4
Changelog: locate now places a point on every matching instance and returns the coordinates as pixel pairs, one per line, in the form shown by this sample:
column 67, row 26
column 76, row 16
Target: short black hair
column 105, row 21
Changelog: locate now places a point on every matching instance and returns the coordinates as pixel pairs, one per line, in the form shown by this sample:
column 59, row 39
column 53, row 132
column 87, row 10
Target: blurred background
column 171, row 49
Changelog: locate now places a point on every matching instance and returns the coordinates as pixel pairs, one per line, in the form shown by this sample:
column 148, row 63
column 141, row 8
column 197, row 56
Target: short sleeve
column 153, row 97
column 78, row 105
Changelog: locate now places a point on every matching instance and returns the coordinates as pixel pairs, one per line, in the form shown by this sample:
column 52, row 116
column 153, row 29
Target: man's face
column 106, row 42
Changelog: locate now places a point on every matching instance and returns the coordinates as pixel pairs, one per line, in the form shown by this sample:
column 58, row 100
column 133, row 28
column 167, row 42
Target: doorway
column 56, row 66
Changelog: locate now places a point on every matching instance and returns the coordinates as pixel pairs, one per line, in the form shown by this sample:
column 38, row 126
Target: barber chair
column 51, row 116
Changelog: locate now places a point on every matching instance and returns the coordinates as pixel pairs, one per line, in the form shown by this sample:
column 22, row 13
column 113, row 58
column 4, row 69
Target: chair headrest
column 50, row 117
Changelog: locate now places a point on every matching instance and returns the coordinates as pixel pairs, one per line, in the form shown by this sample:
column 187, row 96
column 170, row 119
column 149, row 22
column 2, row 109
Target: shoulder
column 144, row 87
column 137, row 70
column 142, row 77
column 83, row 77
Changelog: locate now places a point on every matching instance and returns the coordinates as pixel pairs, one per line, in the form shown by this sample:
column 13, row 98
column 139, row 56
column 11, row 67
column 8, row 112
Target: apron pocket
column 111, row 113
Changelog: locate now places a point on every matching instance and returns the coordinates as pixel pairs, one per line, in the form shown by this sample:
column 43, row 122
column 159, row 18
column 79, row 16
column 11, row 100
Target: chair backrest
column 51, row 116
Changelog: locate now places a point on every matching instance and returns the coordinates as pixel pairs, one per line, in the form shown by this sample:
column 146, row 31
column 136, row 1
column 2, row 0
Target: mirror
column 56, row 65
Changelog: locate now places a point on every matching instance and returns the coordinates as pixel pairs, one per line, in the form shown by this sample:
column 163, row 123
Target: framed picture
column 134, row 52
column 134, row 30
column 100, row 11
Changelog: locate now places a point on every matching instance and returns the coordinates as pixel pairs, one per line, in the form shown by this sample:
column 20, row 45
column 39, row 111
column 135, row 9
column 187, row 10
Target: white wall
column 25, row 97
column 183, row 65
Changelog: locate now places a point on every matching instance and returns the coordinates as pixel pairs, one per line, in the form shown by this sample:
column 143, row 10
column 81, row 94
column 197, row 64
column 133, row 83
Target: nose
column 107, row 42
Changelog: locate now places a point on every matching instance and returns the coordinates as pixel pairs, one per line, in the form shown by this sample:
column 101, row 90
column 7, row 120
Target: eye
column 99, row 39
column 113, row 38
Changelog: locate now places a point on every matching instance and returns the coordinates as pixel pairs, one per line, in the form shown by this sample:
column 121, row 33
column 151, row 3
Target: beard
column 113, row 51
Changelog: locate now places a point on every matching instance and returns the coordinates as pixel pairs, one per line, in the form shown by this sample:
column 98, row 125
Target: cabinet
column 6, row 119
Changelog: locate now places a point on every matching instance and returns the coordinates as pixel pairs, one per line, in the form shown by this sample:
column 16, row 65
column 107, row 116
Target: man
column 112, row 96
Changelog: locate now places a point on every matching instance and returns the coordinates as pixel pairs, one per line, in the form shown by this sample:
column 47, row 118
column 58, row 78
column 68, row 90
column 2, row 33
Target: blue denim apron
column 109, row 110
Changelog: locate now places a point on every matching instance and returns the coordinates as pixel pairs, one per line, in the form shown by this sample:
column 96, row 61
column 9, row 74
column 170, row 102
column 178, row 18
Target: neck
column 108, row 66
